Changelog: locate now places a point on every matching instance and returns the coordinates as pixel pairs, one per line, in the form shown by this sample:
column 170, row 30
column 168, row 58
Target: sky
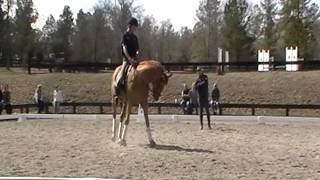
column 180, row 12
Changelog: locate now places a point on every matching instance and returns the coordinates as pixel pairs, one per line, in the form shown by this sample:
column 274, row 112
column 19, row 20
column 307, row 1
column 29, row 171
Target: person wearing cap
column 202, row 88
column 38, row 98
column 215, row 96
column 130, row 50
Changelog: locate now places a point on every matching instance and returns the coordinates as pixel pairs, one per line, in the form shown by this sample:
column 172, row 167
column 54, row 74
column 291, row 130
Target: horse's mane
column 149, row 62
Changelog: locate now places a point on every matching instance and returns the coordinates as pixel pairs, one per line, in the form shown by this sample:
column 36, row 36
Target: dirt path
column 82, row 148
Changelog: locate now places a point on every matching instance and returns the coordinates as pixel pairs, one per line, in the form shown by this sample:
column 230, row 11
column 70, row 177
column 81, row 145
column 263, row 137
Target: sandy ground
column 82, row 148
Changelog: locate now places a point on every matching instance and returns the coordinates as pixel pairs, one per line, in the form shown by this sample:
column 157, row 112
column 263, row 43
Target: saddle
column 120, row 82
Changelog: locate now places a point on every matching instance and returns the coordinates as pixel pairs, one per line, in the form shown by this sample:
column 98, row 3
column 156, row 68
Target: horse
column 136, row 91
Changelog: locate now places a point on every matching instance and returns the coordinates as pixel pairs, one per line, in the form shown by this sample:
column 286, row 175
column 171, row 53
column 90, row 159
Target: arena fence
column 165, row 108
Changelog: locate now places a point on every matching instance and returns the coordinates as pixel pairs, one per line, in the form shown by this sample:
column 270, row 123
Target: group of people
column 58, row 98
column 5, row 99
column 198, row 96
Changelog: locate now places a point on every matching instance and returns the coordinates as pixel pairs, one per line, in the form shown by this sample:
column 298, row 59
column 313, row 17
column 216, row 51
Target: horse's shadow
column 178, row 148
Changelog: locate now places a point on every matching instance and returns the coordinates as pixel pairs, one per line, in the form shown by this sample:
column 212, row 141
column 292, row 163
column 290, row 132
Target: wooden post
column 27, row 110
column 46, row 108
column 220, row 111
column 101, row 109
column 159, row 109
column 253, row 112
column 287, row 111
column 74, row 109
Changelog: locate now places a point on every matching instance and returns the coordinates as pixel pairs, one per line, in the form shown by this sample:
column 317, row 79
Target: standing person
column 215, row 97
column 130, row 51
column 202, row 87
column 185, row 99
column 58, row 98
column 194, row 97
column 6, row 99
column 38, row 98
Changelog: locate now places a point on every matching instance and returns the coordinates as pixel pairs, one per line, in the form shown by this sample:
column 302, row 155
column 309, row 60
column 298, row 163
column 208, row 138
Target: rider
column 130, row 50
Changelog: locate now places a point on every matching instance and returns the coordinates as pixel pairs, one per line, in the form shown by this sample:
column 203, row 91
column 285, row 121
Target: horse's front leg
column 123, row 138
column 148, row 129
column 114, row 120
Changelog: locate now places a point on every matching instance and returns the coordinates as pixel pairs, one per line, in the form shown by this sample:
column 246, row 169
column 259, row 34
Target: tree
column 167, row 40
column 147, row 36
column 83, row 45
column 269, row 32
column 185, row 44
column 25, row 16
column 297, row 22
column 65, row 28
column 2, row 29
column 209, row 15
column 236, row 38
column 49, row 30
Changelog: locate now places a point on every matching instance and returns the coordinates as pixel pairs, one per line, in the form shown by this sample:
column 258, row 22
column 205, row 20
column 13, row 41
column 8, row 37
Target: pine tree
column 236, row 38
column 48, row 30
column 2, row 30
column 209, row 15
column 24, row 33
column 63, row 36
column 269, row 12
column 297, row 23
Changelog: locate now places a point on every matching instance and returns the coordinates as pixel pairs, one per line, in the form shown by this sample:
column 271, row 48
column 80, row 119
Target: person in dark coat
column 130, row 51
column 215, row 97
column 202, row 87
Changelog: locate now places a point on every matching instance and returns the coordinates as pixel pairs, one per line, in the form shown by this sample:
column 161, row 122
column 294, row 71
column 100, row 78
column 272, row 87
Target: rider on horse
column 130, row 51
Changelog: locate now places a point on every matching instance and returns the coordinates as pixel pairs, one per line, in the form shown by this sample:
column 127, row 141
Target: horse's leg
column 122, row 115
column 125, row 126
column 146, row 117
column 114, row 120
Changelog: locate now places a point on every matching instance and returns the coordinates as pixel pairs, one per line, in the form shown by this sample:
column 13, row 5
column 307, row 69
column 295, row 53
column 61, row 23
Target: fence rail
column 253, row 65
column 25, row 108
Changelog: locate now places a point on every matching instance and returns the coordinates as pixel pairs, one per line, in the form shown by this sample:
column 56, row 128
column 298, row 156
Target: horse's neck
column 149, row 74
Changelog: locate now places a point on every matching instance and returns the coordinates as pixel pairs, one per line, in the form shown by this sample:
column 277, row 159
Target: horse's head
column 158, row 86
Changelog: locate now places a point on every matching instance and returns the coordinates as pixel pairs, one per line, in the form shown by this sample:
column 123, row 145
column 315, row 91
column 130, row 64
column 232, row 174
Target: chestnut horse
column 136, row 91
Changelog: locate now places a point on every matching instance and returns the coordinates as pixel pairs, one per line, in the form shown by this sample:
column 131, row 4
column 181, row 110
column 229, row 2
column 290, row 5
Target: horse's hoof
column 113, row 139
column 122, row 143
column 152, row 144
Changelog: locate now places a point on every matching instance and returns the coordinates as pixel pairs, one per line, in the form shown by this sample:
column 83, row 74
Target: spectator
column 202, row 87
column 58, row 98
column 185, row 102
column 6, row 99
column 194, row 97
column 215, row 97
column 38, row 98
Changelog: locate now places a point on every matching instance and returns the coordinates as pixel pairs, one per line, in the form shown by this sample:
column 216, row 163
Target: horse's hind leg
column 114, row 120
column 148, row 129
column 122, row 116
column 125, row 125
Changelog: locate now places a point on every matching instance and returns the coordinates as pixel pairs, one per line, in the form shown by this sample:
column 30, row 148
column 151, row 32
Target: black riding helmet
column 133, row 22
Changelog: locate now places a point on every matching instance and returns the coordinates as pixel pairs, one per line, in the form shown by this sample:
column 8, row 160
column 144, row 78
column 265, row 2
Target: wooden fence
column 100, row 107
column 240, row 65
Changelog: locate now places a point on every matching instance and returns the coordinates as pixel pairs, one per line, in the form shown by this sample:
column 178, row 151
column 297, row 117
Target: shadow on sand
column 178, row 148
